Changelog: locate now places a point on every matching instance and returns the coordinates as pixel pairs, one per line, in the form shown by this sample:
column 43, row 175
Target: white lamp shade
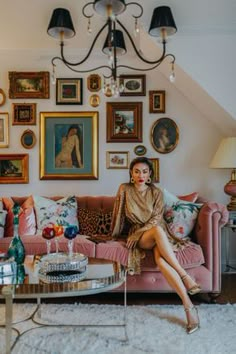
column 225, row 156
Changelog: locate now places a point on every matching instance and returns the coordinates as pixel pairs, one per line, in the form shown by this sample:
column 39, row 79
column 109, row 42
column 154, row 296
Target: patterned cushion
column 62, row 212
column 104, row 223
column 88, row 221
column 179, row 215
column 3, row 214
column 189, row 197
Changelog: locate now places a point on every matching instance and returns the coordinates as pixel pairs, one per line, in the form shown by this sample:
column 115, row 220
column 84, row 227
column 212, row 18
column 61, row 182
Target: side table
column 227, row 233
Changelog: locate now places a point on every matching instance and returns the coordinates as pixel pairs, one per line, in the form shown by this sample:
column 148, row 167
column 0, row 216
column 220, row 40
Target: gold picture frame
column 4, row 129
column 28, row 139
column 28, row 84
column 157, row 101
column 94, row 83
column 80, row 130
column 2, row 97
column 14, row 168
column 164, row 135
column 156, row 168
column 23, row 113
column 94, row 100
column 117, row 159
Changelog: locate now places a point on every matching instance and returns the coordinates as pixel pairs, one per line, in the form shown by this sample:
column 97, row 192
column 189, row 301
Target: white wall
column 182, row 171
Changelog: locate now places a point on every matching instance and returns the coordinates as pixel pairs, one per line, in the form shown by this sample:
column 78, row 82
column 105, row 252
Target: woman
column 69, row 156
column 139, row 204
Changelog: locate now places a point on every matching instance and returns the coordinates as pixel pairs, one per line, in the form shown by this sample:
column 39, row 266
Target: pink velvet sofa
column 201, row 259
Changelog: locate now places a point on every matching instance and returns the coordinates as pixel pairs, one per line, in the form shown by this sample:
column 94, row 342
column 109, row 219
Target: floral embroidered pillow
column 3, row 214
column 62, row 212
column 180, row 215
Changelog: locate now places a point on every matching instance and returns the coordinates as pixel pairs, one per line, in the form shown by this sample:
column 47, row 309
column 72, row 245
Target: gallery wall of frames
column 69, row 137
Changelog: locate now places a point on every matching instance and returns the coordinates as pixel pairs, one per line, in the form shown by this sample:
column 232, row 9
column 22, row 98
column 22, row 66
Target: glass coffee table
column 101, row 276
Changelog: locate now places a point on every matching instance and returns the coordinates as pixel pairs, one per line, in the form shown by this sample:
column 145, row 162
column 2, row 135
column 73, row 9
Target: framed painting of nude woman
column 68, row 145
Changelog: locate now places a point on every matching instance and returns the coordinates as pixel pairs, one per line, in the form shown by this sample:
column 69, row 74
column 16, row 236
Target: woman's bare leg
column 157, row 236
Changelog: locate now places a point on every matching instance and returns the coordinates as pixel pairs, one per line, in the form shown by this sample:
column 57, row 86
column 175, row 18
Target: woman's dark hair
column 145, row 160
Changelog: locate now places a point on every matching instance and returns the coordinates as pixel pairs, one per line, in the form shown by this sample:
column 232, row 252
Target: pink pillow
column 189, row 197
column 27, row 221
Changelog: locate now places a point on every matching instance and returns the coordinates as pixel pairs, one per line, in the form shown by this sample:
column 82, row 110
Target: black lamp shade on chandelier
column 162, row 19
column 61, row 22
column 116, row 6
column 116, row 39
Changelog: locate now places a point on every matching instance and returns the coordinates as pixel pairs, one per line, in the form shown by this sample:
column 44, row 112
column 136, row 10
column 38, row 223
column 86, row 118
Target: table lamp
column 225, row 157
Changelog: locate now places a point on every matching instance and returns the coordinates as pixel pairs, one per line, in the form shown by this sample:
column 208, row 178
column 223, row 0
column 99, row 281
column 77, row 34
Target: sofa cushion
column 3, row 214
column 104, row 223
column 180, row 215
column 189, row 256
column 192, row 197
column 62, row 212
column 88, row 221
column 27, row 221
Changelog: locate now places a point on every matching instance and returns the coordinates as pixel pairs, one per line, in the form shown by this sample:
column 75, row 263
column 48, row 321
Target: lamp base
column 230, row 189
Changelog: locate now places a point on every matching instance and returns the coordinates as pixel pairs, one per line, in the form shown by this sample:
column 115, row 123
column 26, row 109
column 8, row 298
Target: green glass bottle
column 16, row 248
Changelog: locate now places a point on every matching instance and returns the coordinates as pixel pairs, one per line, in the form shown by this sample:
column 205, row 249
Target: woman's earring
column 131, row 180
column 149, row 180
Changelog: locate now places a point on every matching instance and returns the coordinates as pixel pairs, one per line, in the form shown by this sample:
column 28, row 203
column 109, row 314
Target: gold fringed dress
column 134, row 213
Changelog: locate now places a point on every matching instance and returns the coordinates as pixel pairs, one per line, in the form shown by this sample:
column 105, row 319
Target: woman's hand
column 131, row 242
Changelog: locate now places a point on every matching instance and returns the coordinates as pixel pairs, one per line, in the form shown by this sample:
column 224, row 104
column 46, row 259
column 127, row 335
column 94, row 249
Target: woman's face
column 73, row 131
column 140, row 173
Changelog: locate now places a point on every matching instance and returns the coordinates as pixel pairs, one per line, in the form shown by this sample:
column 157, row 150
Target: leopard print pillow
column 104, row 223
column 88, row 221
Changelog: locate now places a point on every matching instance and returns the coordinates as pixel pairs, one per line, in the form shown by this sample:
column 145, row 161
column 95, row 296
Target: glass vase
column 16, row 248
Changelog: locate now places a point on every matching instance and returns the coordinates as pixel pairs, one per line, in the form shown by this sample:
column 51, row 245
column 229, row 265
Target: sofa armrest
column 207, row 232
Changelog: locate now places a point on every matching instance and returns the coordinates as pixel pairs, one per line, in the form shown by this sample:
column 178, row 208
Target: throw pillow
column 62, row 212
column 104, row 223
column 27, row 221
column 88, row 221
column 179, row 215
column 3, row 214
column 189, row 197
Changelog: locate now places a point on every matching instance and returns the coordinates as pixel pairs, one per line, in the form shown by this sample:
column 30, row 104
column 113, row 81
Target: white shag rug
column 158, row 329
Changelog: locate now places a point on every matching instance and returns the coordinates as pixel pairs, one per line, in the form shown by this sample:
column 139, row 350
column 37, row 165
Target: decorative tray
column 62, row 277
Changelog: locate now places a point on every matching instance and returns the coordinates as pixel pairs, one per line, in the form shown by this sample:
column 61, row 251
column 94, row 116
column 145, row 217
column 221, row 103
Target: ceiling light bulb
column 172, row 77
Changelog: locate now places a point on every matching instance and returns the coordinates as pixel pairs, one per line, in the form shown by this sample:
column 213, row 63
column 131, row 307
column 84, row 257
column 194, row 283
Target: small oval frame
column 140, row 150
column 28, row 139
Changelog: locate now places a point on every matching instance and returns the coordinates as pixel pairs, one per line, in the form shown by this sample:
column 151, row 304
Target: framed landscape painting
column 29, row 84
column 14, row 168
column 69, row 91
column 68, row 145
column 124, row 122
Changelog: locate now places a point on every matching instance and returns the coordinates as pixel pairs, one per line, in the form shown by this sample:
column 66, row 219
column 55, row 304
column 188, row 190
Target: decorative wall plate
column 28, row 139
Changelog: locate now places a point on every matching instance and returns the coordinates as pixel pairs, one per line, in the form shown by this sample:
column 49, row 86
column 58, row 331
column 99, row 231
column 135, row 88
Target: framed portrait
column 68, row 145
column 4, row 130
column 29, row 84
column 28, row 139
column 164, row 135
column 157, row 102
column 134, row 85
column 94, row 83
column 69, row 91
column 124, row 122
column 23, row 113
column 117, row 159
column 14, row 168
column 94, row 100
column 156, row 168
column 140, row 150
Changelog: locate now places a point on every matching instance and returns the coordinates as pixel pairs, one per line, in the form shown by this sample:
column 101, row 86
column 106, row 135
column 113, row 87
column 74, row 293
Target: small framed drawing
column 140, row 150
column 28, row 139
column 4, row 130
column 23, row 113
column 94, row 83
column 134, row 85
column 164, row 135
column 29, row 84
column 124, row 122
column 156, row 168
column 14, row 168
column 117, row 159
column 157, row 102
column 69, row 91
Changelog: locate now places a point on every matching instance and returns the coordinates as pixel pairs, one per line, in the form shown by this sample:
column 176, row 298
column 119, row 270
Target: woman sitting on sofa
column 139, row 204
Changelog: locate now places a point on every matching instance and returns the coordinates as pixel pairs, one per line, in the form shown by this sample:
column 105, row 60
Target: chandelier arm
column 83, row 71
column 141, row 8
column 83, row 9
column 138, row 53
column 89, row 52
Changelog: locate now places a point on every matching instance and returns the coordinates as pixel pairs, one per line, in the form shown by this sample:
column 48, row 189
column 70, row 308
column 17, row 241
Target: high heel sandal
column 195, row 289
column 192, row 327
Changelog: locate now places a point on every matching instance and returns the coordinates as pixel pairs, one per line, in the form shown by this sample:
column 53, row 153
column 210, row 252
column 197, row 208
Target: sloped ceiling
column 204, row 45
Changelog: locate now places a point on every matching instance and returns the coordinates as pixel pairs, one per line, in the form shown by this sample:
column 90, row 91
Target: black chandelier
column 162, row 25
